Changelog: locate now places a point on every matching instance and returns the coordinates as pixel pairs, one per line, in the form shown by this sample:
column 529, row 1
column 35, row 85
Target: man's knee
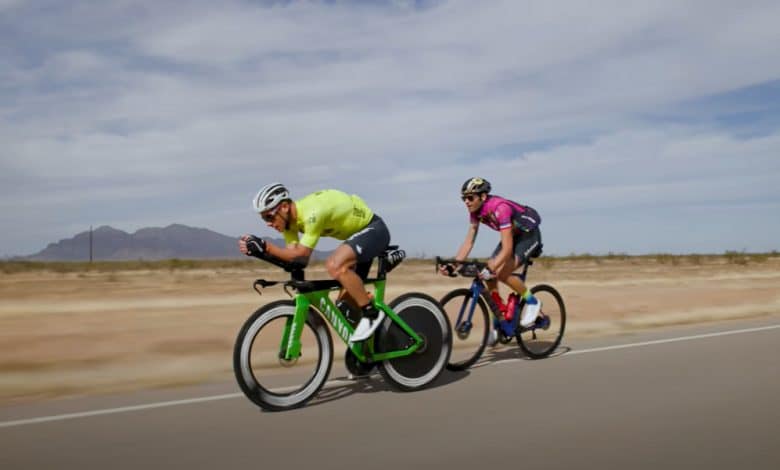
column 334, row 267
column 337, row 266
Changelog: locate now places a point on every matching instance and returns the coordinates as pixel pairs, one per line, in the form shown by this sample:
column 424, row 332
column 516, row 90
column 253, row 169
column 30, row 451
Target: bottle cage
column 394, row 258
column 388, row 260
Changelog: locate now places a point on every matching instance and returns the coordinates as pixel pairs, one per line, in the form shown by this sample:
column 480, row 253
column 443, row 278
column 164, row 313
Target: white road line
column 86, row 414
column 339, row 382
column 658, row 341
column 674, row 340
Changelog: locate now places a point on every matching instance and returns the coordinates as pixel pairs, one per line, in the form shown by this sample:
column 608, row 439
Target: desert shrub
column 695, row 259
column 546, row 262
column 735, row 257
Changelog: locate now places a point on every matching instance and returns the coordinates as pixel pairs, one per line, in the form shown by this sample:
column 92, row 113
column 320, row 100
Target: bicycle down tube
column 290, row 346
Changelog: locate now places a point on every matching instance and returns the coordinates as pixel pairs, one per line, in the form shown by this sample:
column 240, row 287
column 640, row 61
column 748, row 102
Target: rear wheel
column 540, row 339
column 470, row 334
column 424, row 315
column 268, row 380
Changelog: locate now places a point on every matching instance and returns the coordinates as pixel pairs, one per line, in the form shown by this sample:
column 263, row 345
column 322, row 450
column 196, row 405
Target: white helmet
column 269, row 197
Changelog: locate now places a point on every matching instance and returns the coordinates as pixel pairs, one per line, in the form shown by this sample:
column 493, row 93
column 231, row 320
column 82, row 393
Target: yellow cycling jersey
column 328, row 213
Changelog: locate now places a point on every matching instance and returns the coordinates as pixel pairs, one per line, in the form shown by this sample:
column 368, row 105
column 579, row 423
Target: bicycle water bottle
column 511, row 306
column 498, row 304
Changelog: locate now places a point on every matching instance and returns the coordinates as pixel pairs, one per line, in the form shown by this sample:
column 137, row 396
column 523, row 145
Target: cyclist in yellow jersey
column 327, row 213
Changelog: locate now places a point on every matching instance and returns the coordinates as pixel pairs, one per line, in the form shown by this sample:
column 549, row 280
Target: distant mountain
column 153, row 243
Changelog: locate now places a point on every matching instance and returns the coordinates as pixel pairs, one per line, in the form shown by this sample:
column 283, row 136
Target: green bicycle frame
column 290, row 347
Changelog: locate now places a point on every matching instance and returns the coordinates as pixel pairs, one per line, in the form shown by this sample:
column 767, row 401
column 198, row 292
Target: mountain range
column 152, row 243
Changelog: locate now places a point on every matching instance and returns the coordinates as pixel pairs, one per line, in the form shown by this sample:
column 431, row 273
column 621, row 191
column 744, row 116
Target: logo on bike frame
column 334, row 319
column 291, row 340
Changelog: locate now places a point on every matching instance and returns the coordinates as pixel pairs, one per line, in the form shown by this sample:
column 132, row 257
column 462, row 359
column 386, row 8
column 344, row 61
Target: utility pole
column 90, row 244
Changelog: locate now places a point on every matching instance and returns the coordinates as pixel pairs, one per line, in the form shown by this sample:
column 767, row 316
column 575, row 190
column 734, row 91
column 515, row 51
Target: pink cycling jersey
column 499, row 213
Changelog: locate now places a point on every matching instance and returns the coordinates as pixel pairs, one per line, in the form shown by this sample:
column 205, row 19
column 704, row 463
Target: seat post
column 381, row 271
column 383, row 263
column 523, row 274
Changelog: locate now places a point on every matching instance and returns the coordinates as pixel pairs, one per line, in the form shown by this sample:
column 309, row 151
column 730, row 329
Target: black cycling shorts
column 368, row 243
column 524, row 245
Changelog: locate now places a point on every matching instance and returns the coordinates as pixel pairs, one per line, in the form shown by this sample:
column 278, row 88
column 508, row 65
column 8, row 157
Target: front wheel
column 540, row 339
column 470, row 325
column 423, row 315
column 268, row 380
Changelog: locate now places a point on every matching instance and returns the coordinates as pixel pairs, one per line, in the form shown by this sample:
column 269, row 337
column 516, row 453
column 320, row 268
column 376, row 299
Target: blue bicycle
column 468, row 310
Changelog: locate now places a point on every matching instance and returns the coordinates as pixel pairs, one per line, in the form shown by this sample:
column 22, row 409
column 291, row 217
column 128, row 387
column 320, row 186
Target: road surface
column 703, row 396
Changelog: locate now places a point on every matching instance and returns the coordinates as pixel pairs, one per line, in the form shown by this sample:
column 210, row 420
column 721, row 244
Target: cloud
column 136, row 115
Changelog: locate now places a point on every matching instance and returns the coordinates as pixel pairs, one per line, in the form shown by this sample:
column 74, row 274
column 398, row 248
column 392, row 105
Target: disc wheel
column 268, row 380
column 540, row 339
column 424, row 315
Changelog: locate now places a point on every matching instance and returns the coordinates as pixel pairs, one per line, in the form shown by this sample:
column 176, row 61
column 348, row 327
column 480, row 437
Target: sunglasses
column 469, row 197
column 269, row 216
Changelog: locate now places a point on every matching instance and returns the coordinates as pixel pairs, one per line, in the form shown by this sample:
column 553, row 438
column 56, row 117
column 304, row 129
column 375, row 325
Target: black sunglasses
column 469, row 197
column 269, row 216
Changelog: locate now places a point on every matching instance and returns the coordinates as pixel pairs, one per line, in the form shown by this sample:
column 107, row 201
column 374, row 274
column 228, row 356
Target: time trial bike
column 284, row 351
column 468, row 310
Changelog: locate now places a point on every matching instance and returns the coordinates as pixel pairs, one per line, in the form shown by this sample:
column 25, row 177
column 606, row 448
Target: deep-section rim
column 245, row 376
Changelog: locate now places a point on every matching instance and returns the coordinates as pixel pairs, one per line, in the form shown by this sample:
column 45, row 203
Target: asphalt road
column 704, row 396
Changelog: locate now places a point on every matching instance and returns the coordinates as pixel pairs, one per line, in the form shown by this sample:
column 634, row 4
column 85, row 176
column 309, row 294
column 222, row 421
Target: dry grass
column 76, row 328
column 14, row 266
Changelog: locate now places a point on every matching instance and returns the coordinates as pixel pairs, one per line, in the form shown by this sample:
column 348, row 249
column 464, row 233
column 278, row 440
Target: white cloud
column 107, row 107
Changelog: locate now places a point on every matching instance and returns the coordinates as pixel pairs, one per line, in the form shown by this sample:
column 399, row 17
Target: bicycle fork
column 463, row 328
column 290, row 346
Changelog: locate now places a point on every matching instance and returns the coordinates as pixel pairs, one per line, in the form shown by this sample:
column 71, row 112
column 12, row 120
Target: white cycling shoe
column 366, row 327
column 530, row 312
column 492, row 338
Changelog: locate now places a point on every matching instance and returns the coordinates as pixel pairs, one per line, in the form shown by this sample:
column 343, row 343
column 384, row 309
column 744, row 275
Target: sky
column 632, row 127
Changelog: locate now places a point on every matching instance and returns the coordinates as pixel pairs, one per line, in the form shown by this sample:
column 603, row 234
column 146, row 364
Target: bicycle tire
column 538, row 342
column 249, row 372
column 424, row 315
column 464, row 352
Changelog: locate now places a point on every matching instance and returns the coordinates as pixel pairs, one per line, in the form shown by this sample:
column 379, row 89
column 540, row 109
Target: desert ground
column 90, row 331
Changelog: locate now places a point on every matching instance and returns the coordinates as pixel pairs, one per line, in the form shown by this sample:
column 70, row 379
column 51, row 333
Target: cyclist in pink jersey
column 520, row 238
